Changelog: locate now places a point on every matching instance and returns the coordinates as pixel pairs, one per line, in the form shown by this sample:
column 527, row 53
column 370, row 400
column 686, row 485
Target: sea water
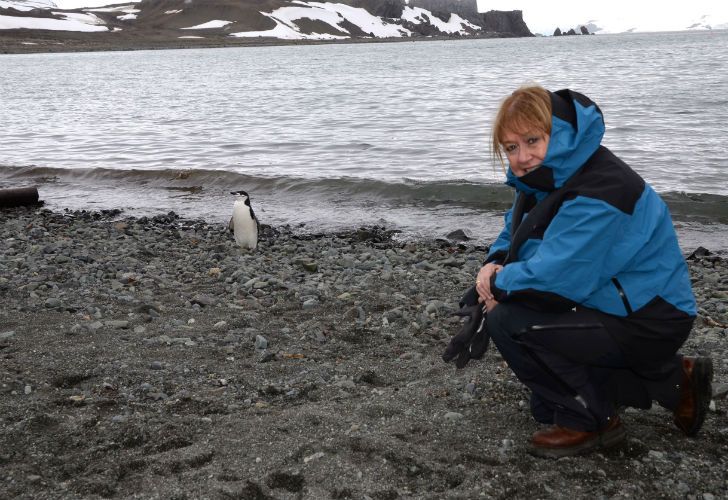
column 333, row 136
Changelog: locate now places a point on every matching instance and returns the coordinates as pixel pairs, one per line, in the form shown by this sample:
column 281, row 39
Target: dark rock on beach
column 153, row 358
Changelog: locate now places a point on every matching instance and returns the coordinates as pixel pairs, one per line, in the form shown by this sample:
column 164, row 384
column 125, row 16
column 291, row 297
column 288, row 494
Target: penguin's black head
column 240, row 193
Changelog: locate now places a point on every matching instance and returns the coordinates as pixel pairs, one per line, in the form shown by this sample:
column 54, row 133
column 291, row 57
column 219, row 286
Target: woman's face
column 525, row 152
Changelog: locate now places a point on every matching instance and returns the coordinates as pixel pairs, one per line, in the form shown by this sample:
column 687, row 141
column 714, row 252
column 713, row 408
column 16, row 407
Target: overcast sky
column 543, row 16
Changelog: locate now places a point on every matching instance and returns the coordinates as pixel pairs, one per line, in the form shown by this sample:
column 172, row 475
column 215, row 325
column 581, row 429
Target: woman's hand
column 482, row 282
column 490, row 305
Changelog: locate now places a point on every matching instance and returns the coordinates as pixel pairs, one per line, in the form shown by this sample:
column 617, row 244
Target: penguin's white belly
column 244, row 226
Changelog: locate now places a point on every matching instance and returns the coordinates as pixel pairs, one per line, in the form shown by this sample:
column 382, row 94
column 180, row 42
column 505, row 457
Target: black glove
column 472, row 340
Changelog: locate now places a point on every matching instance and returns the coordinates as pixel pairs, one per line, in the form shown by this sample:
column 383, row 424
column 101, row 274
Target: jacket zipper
column 622, row 295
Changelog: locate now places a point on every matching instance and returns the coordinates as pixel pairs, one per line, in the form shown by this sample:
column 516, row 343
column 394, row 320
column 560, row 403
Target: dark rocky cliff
column 499, row 21
column 495, row 21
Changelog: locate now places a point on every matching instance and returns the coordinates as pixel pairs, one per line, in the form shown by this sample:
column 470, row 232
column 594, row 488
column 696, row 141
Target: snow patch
column 332, row 14
column 80, row 4
column 128, row 9
column 29, row 5
column 456, row 24
column 72, row 22
column 209, row 25
column 286, row 29
column 361, row 18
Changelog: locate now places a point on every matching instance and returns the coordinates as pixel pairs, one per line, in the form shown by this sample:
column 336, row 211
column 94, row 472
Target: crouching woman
column 587, row 294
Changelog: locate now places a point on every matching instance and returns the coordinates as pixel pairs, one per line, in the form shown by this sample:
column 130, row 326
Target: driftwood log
column 17, row 197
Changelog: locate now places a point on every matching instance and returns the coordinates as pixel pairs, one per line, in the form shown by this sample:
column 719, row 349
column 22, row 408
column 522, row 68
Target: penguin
column 243, row 224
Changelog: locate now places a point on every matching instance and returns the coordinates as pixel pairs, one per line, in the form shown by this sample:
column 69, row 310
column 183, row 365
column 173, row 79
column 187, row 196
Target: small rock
column 261, row 343
column 506, row 445
column 720, row 390
column 457, row 235
column 309, row 265
column 453, row 415
column 310, row 303
column 7, row 335
column 203, row 300
column 117, row 324
column 53, row 302
column 94, row 326
column 315, row 456
column 156, row 365
column 346, row 384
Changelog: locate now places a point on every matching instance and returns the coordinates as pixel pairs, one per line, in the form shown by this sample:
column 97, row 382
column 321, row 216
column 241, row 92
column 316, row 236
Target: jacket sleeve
column 572, row 260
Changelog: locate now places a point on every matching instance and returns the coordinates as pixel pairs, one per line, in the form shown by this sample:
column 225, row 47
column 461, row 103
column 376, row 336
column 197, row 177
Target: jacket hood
column 577, row 128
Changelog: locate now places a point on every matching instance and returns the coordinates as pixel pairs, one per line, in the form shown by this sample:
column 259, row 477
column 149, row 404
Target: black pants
column 578, row 376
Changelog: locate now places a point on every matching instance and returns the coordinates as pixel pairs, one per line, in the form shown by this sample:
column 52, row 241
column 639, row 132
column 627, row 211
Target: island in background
column 157, row 24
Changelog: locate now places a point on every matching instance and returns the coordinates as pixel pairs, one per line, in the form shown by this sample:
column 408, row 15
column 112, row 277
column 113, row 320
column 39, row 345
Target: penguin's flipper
column 257, row 222
column 231, row 227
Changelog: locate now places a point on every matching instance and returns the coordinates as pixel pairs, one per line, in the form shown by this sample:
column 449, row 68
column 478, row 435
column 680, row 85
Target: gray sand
column 152, row 358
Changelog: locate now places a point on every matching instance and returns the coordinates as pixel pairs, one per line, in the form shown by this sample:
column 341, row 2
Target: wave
column 700, row 207
column 407, row 191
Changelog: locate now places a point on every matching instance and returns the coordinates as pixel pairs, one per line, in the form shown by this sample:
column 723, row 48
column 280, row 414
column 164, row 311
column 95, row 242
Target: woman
column 587, row 294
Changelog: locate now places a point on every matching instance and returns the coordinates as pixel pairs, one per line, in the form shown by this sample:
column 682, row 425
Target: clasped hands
column 482, row 285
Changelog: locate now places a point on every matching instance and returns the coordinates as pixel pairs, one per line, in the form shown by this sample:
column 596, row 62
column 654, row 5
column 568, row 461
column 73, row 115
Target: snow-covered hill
column 281, row 19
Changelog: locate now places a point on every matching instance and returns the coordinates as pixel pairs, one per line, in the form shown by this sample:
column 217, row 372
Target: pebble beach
column 150, row 357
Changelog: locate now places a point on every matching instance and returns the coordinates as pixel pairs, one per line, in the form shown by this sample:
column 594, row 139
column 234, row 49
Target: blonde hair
column 525, row 110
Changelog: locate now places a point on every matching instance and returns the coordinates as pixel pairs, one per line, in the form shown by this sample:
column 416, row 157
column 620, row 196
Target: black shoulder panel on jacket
column 605, row 177
column 562, row 105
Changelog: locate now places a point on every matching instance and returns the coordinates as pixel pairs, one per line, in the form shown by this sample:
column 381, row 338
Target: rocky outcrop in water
column 505, row 22
column 583, row 30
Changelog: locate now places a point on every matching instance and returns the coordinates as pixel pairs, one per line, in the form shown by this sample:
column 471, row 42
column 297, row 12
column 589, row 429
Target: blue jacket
column 594, row 232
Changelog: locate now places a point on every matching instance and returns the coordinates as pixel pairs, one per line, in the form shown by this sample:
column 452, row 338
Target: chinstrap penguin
column 244, row 224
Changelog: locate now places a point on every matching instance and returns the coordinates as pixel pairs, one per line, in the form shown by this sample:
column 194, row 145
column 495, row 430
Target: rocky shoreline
column 43, row 41
column 152, row 358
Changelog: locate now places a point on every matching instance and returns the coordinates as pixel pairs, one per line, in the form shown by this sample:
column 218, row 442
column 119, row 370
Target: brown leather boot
column 695, row 394
column 557, row 442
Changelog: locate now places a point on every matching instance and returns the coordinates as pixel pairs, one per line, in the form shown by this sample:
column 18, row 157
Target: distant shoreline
column 26, row 41
column 44, row 41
